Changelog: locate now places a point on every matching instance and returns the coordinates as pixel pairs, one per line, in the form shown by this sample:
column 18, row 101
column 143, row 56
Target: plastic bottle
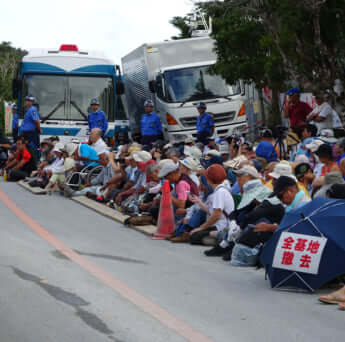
column 5, row 176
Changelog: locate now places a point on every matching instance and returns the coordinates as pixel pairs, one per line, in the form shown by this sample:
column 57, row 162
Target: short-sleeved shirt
column 86, row 151
column 98, row 120
column 204, row 123
column 222, row 199
column 100, row 146
column 28, row 124
column 150, row 124
column 298, row 113
column 29, row 160
column 182, row 188
column 326, row 112
column 15, row 120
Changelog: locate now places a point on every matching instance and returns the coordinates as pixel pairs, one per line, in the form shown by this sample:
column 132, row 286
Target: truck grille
column 220, row 118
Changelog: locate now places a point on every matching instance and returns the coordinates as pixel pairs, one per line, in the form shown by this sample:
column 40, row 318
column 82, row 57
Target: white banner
column 299, row 252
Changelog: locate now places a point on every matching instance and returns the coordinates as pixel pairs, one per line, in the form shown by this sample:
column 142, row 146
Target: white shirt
column 222, row 199
column 57, row 166
column 325, row 111
column 100, row 146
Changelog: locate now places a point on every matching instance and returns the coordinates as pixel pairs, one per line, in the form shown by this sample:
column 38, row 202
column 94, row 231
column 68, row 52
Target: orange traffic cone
column 166, row 222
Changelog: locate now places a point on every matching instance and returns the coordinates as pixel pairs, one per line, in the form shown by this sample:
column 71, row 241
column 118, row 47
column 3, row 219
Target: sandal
column 341, row 306
column 332, row 299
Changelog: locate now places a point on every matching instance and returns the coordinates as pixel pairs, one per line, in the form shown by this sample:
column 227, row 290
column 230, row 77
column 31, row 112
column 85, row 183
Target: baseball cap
column 94, row 102
column 29, row 98
column 282, row 184
column 142, row 156
column 293, row 91
column 148, row 103
column 168, row 168
column 282, row 169
column 201, row 105
column 213, row 153
column 247, row 170
column 59, row 147
column 314, row 145
column 216, row 174
column 190, row 163
column 301, row 169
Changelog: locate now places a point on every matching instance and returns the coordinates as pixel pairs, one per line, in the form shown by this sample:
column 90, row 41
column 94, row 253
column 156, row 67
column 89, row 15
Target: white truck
column 175, row 75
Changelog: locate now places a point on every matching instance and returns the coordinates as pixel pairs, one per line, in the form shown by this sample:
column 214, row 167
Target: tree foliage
column 9, row 58
column 181, row 23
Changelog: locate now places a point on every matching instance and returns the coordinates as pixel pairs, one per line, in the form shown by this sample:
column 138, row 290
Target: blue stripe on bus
column 71, row 132
column 43, row 68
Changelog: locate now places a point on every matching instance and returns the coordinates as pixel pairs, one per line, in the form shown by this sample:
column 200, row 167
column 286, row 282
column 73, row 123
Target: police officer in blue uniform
column 150, row 125
column 97, row 118
column 204, row 124
column 15, row 123
column 31, row 127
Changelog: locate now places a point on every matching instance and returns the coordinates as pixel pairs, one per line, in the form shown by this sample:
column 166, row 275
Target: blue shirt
column 28, row 124
column 266, row 150
column 204, row 123
column 86, row 151
column 98, row 120
column 340, row 158
column 150, row 124
column 15, row 120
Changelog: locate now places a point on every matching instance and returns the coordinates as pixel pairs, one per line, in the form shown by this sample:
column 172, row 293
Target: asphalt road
column 136, row 289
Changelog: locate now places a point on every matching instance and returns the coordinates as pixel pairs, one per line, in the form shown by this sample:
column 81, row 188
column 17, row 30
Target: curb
column 112, row 214
column 36, row 190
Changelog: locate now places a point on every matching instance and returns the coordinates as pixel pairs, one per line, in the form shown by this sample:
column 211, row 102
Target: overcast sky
column 113, row 26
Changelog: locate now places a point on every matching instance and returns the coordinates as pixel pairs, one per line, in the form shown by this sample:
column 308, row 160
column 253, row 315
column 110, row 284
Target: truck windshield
column 68, row 97
column 196, row 83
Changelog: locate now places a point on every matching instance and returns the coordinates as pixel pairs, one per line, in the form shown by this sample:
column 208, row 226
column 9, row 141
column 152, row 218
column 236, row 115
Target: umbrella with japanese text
column 308, row 248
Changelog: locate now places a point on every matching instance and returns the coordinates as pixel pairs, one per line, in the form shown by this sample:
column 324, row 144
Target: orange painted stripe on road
column 154, row 310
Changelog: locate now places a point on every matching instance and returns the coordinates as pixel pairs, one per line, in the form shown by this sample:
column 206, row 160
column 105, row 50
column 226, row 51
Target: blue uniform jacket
column 98, row 120
column 15, row 120
column 150, row 124
column 204, row 123
column 28, row 124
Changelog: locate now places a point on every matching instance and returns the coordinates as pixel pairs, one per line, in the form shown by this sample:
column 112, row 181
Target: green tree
column 181, row 23
column 9, row 59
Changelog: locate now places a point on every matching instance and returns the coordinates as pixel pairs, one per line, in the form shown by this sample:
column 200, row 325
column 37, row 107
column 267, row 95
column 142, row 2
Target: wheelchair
column 76, row 179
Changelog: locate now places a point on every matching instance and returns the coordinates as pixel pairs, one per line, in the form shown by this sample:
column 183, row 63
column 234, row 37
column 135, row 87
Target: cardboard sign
column 299, row 252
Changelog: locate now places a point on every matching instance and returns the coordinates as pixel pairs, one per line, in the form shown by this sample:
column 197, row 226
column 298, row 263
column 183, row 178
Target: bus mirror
column 120, row 87
column 16, row 86
column 152, row 86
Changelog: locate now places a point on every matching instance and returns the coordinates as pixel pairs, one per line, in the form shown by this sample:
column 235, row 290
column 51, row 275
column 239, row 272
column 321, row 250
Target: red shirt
column 298, row 113
column 25, row 155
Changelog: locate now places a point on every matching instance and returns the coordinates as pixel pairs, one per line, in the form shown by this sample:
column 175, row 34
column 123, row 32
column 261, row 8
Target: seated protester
column 56, row 171
column 97, row 142
column 139, row 185
column 210, row 158
column 197, row 213
column 266, row 149
column 267, row 170
column 247, row 150
column 330, row 179
column 284, row 169
column 173, row 154
column 324, row 152
column 305, row 175
column 5, row 146
column 342, row 167
column 314, row 160
column 221, row 208
column 24, row 163
column 181, row 188
column 253, row 193
column 308, row 135
column 340, row 150
column 187, row 167
column 286, row 190
column 86, row 155
column 153, row 187
column 336, row 191
column 98, row 185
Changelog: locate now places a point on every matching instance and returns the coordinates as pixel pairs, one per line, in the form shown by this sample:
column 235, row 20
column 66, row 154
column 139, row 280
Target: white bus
column 63, row 82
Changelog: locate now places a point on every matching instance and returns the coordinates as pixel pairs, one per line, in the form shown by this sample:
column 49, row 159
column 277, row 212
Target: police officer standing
column 31, row 127
column 15, row 123
column 97, row 118
column 204, row 124
column 150, row 125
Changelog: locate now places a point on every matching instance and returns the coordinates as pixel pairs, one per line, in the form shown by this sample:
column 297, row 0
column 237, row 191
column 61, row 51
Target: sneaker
column 227, row 255
column 182, row 238
column 216, row 251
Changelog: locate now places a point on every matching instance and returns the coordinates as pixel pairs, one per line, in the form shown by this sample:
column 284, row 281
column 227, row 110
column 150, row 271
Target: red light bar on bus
column 68, row 47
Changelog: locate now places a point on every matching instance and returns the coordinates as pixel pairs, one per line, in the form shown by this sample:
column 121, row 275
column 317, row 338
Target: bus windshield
column 68, row 97
column 196, row 83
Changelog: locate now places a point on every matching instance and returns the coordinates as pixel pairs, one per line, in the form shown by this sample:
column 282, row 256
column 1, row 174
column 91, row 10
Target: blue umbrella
column 321, row 217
